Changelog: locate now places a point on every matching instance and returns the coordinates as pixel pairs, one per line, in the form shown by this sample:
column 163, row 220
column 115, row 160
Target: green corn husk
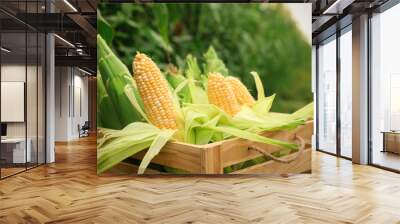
column 197, row 94
column 107, row 117
column 213, row 63
column 117, row 145
column 192, row 67
column 116, row 79
column 306, row 112
column 175, row 79
column 189, row 88
column 179, row 85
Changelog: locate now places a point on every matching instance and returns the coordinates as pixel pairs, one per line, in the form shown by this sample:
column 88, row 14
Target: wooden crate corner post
column 211, row 161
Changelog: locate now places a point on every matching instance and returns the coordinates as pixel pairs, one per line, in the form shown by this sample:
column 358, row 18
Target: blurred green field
column 247, row 37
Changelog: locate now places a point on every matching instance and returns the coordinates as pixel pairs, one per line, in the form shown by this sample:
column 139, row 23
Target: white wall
column 14, row 73
column 71, row 94
column 80, row 110
column 62, row 81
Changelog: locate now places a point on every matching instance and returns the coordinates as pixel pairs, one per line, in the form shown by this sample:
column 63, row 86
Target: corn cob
column 221, row 94
column 153, row 89
column 241, row 93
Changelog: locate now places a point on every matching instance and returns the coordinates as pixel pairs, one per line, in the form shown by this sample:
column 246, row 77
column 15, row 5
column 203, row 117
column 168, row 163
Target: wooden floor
column 69, row 191
column 386, row 159
column 5, row 172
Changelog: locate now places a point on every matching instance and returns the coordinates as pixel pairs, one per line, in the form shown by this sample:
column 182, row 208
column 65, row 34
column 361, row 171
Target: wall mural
column 204, row 88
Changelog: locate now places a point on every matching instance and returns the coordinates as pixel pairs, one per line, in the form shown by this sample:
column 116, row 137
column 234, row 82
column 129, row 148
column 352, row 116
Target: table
column 391, row 141
column 13, row 150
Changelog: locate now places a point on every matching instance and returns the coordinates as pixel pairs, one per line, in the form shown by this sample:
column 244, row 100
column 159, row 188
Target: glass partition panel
column 14, row 151
column 327, row 95
column 32, row 98
column 22, row 67
column 41, row 110
column 346, row 93
column 33, row 41
column 385, row 89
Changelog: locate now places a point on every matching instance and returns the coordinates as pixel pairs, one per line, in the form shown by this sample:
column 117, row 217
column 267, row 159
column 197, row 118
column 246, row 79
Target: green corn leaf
column 259, row 85
column 175, row 79
column 213, row 63
column 248, row 119
column 161, row 139
column 307, row 112
column 119, row 156
column 253, row 137
column 192, row 70
column 192, row 120
column 106, row 111
column 115, row 86
column 263, row 105
column 193, row 73
column 160, row 41
column 132, row 129
column 104, row 28
column 181, row 86
column 116, row 79
column 197, row 94
column 117, row 145
column 133, row 99
column 210, row 111
column 279, row 116
column 203, row 134
column 162, row 20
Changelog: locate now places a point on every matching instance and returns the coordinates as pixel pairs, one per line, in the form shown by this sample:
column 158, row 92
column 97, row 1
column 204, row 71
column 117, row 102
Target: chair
column 84, row 130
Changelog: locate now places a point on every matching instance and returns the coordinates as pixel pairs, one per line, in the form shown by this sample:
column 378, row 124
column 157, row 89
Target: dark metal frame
column 369, row 98
column 44, row 71
column 0, row 86
column 338, row 75
column 339, row 32
column 316, row 96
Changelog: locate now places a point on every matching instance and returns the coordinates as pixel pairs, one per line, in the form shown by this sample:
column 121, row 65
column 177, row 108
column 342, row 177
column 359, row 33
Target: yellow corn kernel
column 153, row 89
column 241, row 93
column 221, row 94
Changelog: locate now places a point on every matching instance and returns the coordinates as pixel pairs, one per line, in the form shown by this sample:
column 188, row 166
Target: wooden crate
column 212, row 158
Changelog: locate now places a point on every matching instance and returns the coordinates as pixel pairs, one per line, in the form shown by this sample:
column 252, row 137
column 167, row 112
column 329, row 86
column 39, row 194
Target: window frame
column 334, row 37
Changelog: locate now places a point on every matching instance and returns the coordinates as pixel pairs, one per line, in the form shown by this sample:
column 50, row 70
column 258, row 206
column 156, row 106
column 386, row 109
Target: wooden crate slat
column 237, row 151
column 300, row 165
column 306, row 131
column 177, row 156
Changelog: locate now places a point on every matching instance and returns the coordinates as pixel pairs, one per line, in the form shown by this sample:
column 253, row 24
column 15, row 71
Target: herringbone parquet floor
column 69, row 191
